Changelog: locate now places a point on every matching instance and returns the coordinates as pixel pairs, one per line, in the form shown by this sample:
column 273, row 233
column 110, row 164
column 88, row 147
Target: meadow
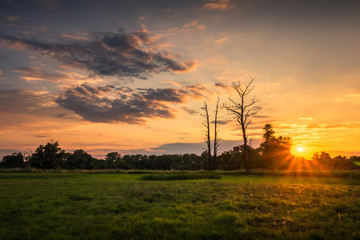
column 191, row 205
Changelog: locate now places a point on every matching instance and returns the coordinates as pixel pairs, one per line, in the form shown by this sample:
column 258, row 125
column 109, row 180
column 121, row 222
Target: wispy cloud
column 37, row 74
column 195, row 25
column 220, row 41
column 218, row 5
column 350, row 97
column 61, row 78
column 73, row 37
column 306, row 118
column 12, row 19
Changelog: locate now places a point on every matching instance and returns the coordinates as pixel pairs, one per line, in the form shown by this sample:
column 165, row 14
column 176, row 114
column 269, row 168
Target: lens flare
column 300, row 149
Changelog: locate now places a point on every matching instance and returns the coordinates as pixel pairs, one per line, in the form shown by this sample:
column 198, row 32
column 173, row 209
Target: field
column 153, row 206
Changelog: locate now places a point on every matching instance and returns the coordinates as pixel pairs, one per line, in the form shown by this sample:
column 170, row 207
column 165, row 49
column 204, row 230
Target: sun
column 300, row 149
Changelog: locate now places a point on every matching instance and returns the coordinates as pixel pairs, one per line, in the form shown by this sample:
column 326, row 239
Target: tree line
column 274, row 154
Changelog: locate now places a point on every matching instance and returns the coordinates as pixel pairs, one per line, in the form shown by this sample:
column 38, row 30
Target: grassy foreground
column 130, row 206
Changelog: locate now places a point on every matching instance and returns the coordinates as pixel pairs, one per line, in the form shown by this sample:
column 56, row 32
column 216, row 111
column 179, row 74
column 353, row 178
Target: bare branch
column 243, row 110
column 206, row 124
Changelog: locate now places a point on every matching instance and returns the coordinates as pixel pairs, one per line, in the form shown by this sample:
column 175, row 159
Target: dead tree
column 206, row 124
column 216, row 131
column 243, row 109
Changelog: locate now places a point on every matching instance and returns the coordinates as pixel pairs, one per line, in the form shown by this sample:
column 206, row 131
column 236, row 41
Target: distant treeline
column 274, row 153
column 51, row 156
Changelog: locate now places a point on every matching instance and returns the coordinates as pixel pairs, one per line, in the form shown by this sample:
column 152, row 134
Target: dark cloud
column 40, row 136
column 190, row 111
column 165, row 94
column 220, row 84
column 110, row 104
column 260, row 116
column 109, row 53
column 222, row 122
column 197, row 90
column 198, row 148
column 61, row 115
column 4, row 152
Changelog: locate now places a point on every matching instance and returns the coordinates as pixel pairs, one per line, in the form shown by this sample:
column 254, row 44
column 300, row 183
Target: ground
column 126, row 206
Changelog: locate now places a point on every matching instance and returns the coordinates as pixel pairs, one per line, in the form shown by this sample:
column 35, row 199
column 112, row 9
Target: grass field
column 131, row 206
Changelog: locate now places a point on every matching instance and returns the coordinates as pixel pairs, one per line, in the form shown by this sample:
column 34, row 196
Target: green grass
column 180, row 176
column 125, row 206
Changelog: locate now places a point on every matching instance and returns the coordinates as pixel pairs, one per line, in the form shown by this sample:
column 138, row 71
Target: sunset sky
column 132, row 76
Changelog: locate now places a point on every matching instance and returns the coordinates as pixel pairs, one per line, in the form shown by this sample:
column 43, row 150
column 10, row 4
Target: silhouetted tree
column 275, row 150
column 113, row 160
column 206, row 124
column 341, row 162
column 243, row 109
column 15, row 160
column 48, row 156
column 216, row 136
column 231, row 160
column 80, row 159
column 322, row 160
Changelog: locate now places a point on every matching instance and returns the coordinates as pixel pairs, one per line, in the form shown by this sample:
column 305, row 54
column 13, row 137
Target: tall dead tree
column 206, row 124
column 216, row 131
column 243, row 109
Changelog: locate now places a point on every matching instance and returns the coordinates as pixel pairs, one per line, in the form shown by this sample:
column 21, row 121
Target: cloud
column 22, row 101
column 222, row 122
column 12, row 19
column 348, row 98
column 110, row 104
column 198, row 148
column 221, row 40
column 190, row 111
column 26, row 109
column 61, row 78
column 197, row 90
column 221, row 85
column 108, row 53
column 195, row 25
column 343, row 125
column 37, row 74
column 306, row 118
column 61, row 115
column 218, row 5
column 165, row 95
column 73, row 37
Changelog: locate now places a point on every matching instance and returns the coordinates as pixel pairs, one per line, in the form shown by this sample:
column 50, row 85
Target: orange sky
column 132, row 76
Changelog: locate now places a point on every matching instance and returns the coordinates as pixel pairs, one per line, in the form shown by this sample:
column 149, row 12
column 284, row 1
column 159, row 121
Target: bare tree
column 216, row 131
column 243, row 109
column 206, row 124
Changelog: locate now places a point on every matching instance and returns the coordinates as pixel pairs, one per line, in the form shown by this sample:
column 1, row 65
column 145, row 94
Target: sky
column 132, row 76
